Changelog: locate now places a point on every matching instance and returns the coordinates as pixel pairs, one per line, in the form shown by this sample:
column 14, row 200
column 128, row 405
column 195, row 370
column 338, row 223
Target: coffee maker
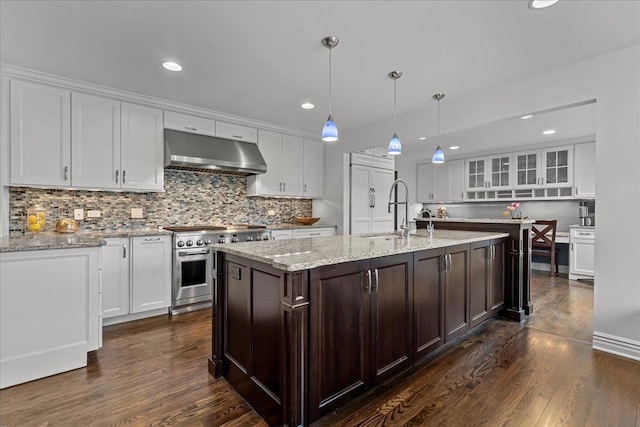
column 587, row 213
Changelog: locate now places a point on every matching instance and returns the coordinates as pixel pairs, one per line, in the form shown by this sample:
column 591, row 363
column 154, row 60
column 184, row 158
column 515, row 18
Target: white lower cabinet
column 136, row 275
column 315, row 232
column 281, row 234
column 49, row 312
column 582, row 249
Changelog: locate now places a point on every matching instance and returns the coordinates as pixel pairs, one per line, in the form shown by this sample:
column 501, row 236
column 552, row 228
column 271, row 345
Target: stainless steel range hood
column 210, row 154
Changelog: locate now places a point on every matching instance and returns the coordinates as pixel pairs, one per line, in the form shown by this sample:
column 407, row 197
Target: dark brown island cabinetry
column 299, row 344
column 360, row 328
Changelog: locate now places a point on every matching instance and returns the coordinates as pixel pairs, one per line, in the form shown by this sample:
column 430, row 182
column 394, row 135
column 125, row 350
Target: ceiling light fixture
column 438, row 155
column 330, row 130
column 172, row 66
column 307, row 106
column 395, row 147
column 549, row 132
column 422, row 138
column 528, row 116
column 455, row 147
column 541, row 4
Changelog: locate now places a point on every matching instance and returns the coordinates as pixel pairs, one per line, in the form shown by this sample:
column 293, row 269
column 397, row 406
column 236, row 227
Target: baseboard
column 136, row 316
column 619, row 346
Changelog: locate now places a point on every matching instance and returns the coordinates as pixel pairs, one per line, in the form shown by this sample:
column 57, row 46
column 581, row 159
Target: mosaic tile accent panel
column 190, row 198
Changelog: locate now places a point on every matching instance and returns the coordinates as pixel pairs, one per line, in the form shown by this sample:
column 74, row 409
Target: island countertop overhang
column 309, row 253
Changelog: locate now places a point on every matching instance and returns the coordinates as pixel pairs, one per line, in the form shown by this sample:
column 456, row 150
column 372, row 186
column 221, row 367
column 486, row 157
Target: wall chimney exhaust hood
column 189, row 151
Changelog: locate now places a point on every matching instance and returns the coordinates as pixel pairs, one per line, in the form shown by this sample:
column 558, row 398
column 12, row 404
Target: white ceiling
column 262, row 59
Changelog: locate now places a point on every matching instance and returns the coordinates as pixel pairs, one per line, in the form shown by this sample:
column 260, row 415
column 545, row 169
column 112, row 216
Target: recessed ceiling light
column 172, row 66
column 422, row 138
column 549, row 132
column 528, row 116
column 307, row 106
column 541, row 4
column 455, row 147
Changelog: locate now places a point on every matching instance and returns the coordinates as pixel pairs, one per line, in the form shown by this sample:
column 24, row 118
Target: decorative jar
column 36, row 218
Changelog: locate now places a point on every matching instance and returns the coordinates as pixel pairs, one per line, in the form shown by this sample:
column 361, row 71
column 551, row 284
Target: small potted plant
column 512, row 207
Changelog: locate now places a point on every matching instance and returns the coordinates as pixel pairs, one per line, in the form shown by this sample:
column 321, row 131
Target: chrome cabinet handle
column 152, row 239
column 571, row 246
column 124, row 251
column 193, row 253
column 370, row 197
column 117, row 173
column 314, row 234
column 280, row 186
column 368, row 290
column 284, row 186
column 375, row 274
column 124, row 177
column 374, row 197
column 449, row 258
column 238, row 136
column 190, row 128
column 66, row 173
column 305, row 188
column 443, row 263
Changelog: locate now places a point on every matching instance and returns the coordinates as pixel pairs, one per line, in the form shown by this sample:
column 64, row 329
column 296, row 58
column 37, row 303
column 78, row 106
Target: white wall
column 614, row 81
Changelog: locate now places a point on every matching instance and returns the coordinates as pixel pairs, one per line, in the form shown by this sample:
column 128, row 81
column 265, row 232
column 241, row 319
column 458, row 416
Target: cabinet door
column 269, row 183
column 391, row 316
column 95, row 142
column 526, row 169
column 339, row 324
column 456, row 310
column 281, row 234
column 191, row 124
column 361, row 199
column 381, row 219
column 425, row 183
column 582, row 258
column 237, row 132
column 480, row 255
column 496, row 276
column 456, row 180
column 584, row 172
column 441, row 182
column 499, row 171
column 313, row 168
column 557, row 166
column 150, row 273
column 476, row 174
column 40, row 135
column 428, row 316
column 291, row 165
column 142, row 148
column 115, row 277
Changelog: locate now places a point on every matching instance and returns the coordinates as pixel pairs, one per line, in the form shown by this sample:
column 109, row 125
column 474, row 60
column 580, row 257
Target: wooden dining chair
column 543, row 241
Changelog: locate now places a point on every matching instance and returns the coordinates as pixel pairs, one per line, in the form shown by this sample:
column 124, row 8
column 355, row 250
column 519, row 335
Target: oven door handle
column 193, row 253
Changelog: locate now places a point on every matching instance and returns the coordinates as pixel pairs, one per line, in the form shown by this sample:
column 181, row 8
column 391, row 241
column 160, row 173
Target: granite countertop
column 297, row 225
column 480, row 220
column 16, row 242
column 302, row 254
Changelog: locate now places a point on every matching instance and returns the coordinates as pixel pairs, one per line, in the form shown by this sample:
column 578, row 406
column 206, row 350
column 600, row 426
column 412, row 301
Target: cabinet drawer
column 233, row 131
column 317, row 232
column 280, row 234
column 189, row 124
column 583, row 233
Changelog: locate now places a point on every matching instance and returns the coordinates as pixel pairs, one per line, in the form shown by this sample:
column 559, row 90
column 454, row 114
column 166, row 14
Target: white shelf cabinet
column 115, row 277
column 66, row 139
column 40, row 135
column 150, row 273
column 584, row 171
column 582, row 245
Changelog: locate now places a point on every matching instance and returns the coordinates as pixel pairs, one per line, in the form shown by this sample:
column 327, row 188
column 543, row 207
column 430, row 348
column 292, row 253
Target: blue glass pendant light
column 395, row 146
column 330, row 130
column 438, row 155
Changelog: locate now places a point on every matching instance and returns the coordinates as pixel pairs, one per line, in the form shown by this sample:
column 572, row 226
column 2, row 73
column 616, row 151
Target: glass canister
column 36, row 218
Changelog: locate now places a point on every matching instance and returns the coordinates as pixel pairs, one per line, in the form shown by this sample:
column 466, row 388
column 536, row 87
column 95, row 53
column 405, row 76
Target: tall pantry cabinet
column 371, row 180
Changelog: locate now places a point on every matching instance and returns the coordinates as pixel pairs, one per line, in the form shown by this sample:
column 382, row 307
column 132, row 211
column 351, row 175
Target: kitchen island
column 302, row 326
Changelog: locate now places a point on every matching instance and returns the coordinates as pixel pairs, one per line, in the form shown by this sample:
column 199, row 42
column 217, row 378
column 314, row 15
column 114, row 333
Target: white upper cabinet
column 76, row 140
column 549, row 167
column 489, row 172
column 441, row 182
column 424, row 185
column 476, row 173
column 191, row 124
column 40, row 135
column 295, row 167
column 584, row 172
column 95, row 141
column 313, row 168
column 237, row 132
column 142, row 149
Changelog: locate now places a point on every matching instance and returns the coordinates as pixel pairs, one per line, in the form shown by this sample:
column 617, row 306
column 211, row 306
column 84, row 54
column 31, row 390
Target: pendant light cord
column 329, row 81
column 394, row 105
column 438, row 117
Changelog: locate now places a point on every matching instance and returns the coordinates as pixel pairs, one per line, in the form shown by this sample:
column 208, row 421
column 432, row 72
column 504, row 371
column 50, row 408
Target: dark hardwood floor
column 540, row 373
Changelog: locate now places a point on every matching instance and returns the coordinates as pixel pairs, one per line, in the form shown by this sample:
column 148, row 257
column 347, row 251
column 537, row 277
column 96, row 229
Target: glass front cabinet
column 549, row 167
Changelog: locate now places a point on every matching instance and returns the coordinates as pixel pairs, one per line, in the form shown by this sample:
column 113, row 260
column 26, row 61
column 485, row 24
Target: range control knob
column 189, row 242
column 180, row 243
column 207, row 241
column 249, row 239
column 234, row 240
column 221, row 240
column 199, row 243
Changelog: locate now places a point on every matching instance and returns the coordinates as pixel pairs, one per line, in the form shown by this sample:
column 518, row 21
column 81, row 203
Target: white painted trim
column 619, row 346
column 135, row 316
column 12, row 71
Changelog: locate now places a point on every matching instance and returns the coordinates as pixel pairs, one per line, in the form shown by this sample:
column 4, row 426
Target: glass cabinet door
column 558, row 167
column 476, row 174
column 500, row 173
column 526, row 168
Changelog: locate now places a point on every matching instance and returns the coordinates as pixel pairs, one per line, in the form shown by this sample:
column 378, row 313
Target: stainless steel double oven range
column 193, row 272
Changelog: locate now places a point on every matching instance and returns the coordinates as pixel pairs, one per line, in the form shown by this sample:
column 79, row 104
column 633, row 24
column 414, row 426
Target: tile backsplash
column 190, row 198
